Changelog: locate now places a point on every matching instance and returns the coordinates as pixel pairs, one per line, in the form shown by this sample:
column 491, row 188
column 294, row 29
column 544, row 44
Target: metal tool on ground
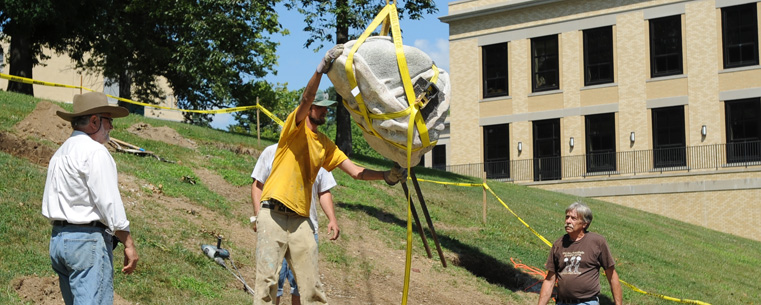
column 219, row 255
column 122, row 146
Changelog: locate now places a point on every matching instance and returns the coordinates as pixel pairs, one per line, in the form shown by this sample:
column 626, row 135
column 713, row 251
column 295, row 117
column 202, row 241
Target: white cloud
column 437, row 50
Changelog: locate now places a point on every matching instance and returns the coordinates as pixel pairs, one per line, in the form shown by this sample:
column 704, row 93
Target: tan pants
column 291, row 236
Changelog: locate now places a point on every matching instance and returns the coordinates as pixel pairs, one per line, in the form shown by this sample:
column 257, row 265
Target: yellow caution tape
column 548, row 243
column 25, row 80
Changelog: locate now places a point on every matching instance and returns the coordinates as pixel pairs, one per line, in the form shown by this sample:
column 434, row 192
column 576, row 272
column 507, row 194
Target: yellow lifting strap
column 388, row 16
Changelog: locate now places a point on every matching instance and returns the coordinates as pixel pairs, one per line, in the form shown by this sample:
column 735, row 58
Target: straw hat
column 92, row 103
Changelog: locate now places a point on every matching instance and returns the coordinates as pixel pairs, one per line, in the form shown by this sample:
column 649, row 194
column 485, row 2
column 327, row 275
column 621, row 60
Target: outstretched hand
column 330, row 56
column 395, row 174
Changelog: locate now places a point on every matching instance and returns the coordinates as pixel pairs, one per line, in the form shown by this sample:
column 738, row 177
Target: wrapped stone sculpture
column 380, row 85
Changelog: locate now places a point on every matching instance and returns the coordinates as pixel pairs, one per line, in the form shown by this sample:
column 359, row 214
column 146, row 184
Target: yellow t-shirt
column 299, row 156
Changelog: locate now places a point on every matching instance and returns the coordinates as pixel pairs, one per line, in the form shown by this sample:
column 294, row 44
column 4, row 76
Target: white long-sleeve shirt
column 82, row 185
column 323, row 183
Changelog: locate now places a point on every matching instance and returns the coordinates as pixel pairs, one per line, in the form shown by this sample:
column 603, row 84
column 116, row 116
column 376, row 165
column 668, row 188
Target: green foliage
column 15, row 107
column 279, row 100
column 325, row 18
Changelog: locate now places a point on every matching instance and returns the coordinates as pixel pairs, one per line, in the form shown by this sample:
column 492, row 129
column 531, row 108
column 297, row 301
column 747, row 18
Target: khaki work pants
column 289, row 235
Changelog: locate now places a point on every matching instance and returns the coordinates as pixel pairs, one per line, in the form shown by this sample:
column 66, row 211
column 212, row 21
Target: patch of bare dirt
column 45, row 291
column 44, row 123
column 162, row 134
column 33, row 151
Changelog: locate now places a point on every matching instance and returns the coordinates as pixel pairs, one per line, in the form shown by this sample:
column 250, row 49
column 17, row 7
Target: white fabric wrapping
column 380, row 84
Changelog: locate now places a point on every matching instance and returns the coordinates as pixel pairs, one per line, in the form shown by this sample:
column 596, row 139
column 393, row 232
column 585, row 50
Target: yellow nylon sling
column 388, row 16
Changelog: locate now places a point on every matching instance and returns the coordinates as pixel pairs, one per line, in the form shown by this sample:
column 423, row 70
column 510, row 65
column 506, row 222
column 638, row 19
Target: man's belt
column 63, row 223
column 276, row 206
column 576, row 301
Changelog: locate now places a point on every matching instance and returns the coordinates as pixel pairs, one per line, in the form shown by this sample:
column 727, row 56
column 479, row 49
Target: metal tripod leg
column 427, row 216
column 417, row 220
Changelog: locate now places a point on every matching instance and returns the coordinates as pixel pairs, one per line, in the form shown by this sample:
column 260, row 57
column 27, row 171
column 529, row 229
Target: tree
column 278, row 100
column 207, row 50
column 323, row 18
column 33, row 25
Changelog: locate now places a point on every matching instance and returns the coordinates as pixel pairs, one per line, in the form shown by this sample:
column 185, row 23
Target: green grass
column 657, row 254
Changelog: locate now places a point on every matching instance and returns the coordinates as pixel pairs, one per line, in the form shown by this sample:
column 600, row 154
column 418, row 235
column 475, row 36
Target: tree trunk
column 21, row 61
column 125, row 91
column 343, row 120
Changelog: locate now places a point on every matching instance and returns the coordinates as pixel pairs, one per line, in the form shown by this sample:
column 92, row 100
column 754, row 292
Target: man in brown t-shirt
column 575, row 261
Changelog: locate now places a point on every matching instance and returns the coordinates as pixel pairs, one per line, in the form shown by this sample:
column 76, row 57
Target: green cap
column 321, row 99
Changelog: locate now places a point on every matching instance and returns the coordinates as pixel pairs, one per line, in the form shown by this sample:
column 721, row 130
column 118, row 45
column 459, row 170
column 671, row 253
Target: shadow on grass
column 466, row 256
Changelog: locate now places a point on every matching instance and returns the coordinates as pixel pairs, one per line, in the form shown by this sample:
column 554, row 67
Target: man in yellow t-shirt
column 282, row 222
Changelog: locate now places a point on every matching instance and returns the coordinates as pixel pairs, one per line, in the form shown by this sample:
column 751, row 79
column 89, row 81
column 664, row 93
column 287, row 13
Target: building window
column 743, row 130
column 497, row 151
column 547, row 150
column 601, row 142
column 740, row 35
column 439, row 157
column 495, row 70
column 666, row 46
column 598, row 56
column 668, row 137
column 544, row 63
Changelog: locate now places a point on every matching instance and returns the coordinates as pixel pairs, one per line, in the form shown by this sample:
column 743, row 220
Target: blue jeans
column 83, row 259
column 286, row 273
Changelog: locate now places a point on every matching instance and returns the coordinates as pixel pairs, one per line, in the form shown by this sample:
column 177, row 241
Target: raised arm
column 314, row 83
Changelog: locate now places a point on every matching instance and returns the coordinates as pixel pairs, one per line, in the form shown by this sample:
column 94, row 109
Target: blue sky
column 296, row 63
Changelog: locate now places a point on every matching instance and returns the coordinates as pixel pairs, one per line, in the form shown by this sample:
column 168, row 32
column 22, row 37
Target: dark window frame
column 547, row 159
column 497, row 151
column 666, row 50
column 598, row 56
column 439, row 157
column 600, row 142
column 739, row 35
column 743, row 129
column 669, row 137
column 496, row 75
column 545, row 63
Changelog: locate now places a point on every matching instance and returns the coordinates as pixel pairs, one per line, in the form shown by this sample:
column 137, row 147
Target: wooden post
column 80, row 83
column 258, row 136
column 484, row 201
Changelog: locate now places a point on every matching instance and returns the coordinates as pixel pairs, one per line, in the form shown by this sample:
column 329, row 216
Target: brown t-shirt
column 577, row 265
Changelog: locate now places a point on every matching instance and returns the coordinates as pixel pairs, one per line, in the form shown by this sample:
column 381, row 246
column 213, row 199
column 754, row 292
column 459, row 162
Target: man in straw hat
column 83, row 204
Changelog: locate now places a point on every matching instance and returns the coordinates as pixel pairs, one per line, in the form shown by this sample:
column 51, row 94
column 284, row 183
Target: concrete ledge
column 665, row 188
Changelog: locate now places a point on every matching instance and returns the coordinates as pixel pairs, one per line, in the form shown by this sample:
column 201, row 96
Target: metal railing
column 685, row 158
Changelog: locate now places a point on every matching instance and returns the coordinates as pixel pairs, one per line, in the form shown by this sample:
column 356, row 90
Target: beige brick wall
column 735, row 211
column 703, row 80
column 464, row 129
column 699, row 86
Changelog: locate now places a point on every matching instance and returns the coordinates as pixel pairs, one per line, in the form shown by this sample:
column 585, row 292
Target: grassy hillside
column 172, row 217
